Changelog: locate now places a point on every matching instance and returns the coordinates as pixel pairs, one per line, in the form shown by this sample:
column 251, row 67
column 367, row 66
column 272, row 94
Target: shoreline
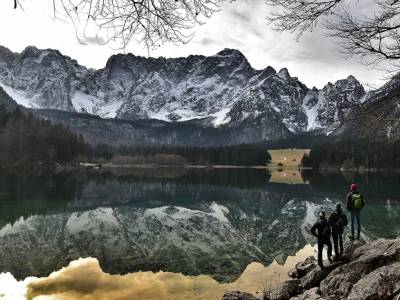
column 367, row 270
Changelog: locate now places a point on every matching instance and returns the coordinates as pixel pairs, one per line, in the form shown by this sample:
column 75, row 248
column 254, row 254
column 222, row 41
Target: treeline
column 31, row 144
column 351, row 154
column 239, row 155
column 28, row 143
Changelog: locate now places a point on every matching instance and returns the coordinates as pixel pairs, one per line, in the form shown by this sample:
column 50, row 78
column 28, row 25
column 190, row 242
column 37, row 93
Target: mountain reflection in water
column 194, row 222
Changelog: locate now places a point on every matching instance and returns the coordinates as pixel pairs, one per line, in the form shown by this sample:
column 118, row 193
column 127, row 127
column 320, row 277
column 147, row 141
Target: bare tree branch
column 149, row 22
column 374, row 38
column 300, row 15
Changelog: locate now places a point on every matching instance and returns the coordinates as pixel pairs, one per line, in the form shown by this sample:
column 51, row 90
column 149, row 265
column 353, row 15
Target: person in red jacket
column 355, row 203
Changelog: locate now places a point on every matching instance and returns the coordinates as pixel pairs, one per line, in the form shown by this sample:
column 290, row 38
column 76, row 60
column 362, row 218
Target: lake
column 206, row 230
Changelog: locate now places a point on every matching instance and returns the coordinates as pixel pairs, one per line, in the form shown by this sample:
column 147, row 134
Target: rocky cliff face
column 222, row 91
column 378, row 117
column 46, row 77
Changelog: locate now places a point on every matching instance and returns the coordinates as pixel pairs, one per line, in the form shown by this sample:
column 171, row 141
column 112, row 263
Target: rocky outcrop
column 364, row 260
column 287, row 289
column 303, row 267
column 237, row 295
column 367, row 271
column 311, row 294
column 382, row 283
column 314, row 278
column 377, row 118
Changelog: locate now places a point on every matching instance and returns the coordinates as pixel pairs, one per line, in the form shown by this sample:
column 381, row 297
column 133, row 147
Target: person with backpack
column 322, row 232
column 355, row 203
column 337, row 221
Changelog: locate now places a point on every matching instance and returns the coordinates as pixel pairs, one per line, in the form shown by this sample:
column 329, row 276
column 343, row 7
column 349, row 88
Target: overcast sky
column 240, row 25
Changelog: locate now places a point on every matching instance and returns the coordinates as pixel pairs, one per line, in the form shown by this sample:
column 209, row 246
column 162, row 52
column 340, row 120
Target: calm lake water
column 207, row 229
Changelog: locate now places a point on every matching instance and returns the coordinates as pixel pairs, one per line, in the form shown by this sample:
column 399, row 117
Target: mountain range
column 192, row 100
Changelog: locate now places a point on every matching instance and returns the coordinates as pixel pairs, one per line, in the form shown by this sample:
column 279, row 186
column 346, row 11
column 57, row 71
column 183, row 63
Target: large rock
column 286, row 290
column 351, row 246
column 303, row 267
column 383, row 283
column 312, row 294
column 236, row 295
column 365, row 259
column 314, row 278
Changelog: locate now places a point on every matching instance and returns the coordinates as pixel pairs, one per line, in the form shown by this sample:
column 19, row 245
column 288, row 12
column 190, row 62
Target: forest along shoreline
column 366, row 271
column 29, row 145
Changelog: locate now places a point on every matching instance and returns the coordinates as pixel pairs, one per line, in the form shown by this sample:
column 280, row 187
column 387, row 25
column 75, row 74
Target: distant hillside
column 7, row 101
column 379, row 117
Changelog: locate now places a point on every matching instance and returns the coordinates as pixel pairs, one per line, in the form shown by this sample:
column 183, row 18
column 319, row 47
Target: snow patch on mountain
column 312, row 111
column 221, row 117
column 18, row 96
column 88, row 104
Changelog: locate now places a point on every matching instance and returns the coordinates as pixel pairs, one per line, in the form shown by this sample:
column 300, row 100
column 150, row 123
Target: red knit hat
column 353, row 187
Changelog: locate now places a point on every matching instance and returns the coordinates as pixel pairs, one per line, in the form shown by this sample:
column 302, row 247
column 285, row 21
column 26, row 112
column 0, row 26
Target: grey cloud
column 206, row 41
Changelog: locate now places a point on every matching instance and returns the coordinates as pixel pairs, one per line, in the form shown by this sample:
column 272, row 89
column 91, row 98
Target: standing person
column 322, row 232
column 355, row 203
column 337, row 221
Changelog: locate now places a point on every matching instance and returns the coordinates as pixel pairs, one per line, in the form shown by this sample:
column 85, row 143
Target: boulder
column 286, row 290
column 304, row 267
column 351, row 246
column 383, row 283
column 314, row 278
column 236, row 295
column 388, row 248
column 312, row 294
column 365, row 259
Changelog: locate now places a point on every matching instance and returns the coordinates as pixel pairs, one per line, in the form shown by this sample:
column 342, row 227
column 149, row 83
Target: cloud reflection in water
column 83, row 279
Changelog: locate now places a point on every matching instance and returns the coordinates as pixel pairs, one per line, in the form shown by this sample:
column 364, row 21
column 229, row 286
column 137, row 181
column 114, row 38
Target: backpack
column 325, row 230
column 340, row 222
column 357, row 201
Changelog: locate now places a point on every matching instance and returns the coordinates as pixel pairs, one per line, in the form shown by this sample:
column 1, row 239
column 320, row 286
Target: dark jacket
column 337, row 221
column 321, row 230
column 350, row 201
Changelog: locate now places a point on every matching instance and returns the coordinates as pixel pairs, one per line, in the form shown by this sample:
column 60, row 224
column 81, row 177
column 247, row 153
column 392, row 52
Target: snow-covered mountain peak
column 284, row 74
column 231, row 53
column 221, row 90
